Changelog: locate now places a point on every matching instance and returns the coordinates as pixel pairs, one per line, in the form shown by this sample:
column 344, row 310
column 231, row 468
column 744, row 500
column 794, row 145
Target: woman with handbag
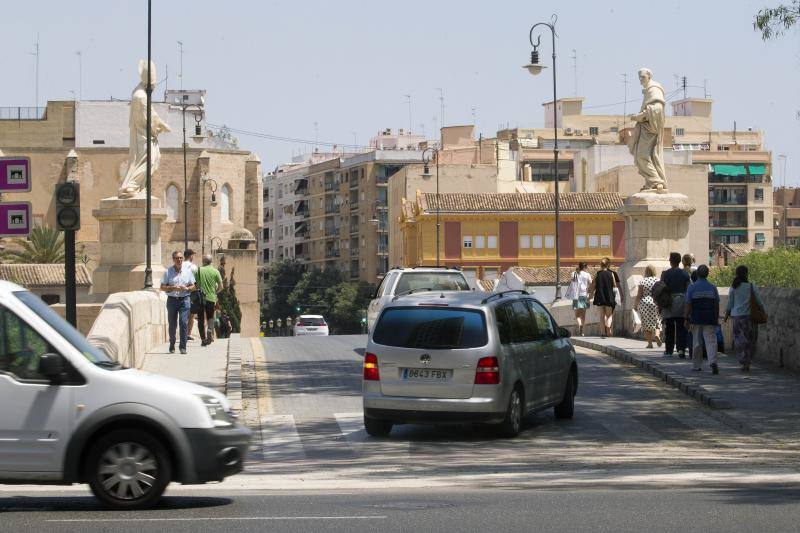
column 646, row 306
column 578, row 292
column 747, row 310
column 602, row 288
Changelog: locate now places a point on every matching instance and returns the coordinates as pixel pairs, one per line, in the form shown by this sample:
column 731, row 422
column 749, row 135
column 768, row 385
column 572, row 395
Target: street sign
column 15, row 174
column 15, row 219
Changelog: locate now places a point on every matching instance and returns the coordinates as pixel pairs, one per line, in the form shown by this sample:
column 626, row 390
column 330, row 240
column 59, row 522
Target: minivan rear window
column 435, row 281
column 431, row 328
column 306, row 321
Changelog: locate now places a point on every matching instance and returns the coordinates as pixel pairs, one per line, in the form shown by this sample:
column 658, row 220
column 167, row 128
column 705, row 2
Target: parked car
column 73, row 415
column 311, row 325
column 466, row 357
column 402, row 281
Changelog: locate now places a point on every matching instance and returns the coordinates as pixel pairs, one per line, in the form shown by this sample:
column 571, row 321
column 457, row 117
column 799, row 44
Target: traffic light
column 68, row 206
column 297, row 308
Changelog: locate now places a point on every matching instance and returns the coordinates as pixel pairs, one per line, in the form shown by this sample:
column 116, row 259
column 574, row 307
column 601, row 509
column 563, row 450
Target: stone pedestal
column 123, row 244
column 655, row 225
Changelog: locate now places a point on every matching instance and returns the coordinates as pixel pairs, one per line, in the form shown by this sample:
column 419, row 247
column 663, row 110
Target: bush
column 778, row 267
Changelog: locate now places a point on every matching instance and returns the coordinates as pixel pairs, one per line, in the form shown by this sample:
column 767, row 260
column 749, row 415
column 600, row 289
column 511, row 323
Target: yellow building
column 487, row 233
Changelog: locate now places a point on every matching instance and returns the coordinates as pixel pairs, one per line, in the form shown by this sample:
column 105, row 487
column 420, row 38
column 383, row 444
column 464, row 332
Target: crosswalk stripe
column 280, row 439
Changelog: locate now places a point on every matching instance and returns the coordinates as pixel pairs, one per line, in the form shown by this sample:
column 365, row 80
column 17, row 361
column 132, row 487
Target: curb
column 686, row 385
column 233, row 375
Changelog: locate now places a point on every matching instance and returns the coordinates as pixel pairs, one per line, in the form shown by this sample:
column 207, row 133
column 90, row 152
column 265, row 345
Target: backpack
column 662, row 295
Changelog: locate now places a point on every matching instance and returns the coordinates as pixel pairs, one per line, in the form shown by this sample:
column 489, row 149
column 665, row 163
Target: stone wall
column 129, row 325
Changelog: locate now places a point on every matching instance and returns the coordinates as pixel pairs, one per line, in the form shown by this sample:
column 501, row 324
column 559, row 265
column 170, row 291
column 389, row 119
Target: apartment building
column 786, row 215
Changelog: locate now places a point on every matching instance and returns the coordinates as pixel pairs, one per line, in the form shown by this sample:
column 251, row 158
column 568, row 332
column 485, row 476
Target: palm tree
column 46, row 245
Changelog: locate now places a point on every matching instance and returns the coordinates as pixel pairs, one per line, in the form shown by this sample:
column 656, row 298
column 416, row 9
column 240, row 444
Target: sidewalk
column 765, row 399
column 204, row 365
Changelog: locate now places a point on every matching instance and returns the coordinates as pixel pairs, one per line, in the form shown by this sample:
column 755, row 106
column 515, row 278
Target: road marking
column 219, row 518
column 280, row 440
column 262, row 377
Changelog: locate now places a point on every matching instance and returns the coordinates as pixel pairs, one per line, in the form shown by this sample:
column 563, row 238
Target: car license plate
column 426, row 374
column 311, row 329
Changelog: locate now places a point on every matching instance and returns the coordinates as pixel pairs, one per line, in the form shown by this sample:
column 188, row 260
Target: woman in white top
column 579, row 292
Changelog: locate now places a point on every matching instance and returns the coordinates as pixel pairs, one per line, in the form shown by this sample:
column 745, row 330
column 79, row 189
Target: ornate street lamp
column 534, row 67
column 197, row 134
column 212, row 185
column 148, row 89
column 219, row 246
column 426, row 173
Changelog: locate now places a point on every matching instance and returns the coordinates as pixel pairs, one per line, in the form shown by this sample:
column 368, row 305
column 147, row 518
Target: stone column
column 123, row 244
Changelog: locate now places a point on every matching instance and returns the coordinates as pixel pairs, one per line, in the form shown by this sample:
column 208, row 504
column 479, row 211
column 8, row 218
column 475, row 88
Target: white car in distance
column 311, row 325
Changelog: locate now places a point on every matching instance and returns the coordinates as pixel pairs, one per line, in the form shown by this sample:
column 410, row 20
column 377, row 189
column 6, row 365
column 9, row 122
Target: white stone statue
column 134, row 182
column 647, row 141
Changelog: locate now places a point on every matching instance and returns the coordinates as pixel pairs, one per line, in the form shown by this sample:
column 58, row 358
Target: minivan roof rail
column 442, row 267
column 503, row 293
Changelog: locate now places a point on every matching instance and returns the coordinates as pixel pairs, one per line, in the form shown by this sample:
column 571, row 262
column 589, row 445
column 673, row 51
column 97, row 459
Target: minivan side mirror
column 51, row 365
column 563, row 332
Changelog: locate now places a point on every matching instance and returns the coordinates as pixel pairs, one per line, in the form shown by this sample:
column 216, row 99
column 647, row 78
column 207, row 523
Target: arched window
column 172, row 203
column 225, row 203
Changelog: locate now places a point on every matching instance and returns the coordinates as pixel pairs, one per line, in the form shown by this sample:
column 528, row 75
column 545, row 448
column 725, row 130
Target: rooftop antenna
column 355, row 140
column 180, row 74
column 410, row 122
column 705, row 89
column 79, row 53
column 422, row 128
column 441, row 104
column 474, row 109
column 316, row 137
column 36, row 83
column 625, row 98
column 575, row 69
column 683, row 86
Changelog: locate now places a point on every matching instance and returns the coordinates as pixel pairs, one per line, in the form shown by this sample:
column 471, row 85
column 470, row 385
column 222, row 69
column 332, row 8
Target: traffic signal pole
column 69, row 278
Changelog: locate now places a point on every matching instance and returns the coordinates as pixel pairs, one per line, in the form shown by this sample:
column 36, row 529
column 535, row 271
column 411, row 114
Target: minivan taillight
column 488, row 371
column 371, row 367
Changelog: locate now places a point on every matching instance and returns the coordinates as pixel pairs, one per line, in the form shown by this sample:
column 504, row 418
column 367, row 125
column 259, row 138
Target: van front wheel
column 128, row 469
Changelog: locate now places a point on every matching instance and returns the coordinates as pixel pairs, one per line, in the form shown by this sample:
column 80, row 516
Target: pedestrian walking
column 648, row 311
column 619, row 296
column 677, row 281
column 188, row 261
column 209, row 281
column 742, row 298
column 578, row 291
column 178, row 281
column 687, row 262
column 701, row 312
column 602, row 289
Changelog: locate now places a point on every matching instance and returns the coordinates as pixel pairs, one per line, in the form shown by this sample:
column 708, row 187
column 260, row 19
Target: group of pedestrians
column 191, row 290
column 603, row 291
column 685, row 305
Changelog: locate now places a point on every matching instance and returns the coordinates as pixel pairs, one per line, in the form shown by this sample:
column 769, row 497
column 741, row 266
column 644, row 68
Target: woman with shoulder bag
column 747, row 310
column 579, row 293
column 603, row 290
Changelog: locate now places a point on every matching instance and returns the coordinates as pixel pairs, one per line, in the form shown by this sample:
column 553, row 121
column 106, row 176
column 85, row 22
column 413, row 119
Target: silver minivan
column 462, row 357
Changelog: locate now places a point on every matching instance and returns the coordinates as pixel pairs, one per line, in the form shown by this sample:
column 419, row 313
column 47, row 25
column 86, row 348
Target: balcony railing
column 329, row 186
column 23, row 113
column 331, row 253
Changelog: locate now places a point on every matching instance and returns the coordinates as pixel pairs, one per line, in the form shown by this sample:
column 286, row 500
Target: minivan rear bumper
column 218, row 452
column 402, row 409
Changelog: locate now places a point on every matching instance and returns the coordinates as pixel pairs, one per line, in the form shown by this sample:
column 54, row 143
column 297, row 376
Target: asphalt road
column 724, row 510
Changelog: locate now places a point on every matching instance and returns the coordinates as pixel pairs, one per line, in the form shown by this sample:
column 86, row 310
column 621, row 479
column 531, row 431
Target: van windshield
column 431, row 328
column 65, row 329
column 435, row 281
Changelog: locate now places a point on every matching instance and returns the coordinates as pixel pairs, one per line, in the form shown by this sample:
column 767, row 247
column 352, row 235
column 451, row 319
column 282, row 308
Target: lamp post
column 148, row 89
column 534, row 67
column 426, row 173
column 197, row 131
column 212, row 184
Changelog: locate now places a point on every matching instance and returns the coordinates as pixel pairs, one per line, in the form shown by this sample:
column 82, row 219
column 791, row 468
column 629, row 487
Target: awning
column 729, row 170
column 758, row 169
column 729, row 231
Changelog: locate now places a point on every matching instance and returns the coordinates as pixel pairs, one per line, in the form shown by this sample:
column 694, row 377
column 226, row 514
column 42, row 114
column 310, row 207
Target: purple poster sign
column 15, row 219
column 15, row 174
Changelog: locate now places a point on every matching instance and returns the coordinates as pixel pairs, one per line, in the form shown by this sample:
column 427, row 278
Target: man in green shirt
column 209, row 281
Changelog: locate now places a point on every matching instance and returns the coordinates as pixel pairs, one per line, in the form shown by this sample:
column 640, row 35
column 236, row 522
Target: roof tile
column 43, row 275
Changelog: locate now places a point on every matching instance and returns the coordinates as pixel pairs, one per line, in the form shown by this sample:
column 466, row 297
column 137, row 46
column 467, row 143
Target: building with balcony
column 786, row 216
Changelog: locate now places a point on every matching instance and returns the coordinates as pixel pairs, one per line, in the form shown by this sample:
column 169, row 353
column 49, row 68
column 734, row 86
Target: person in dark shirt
column 603, row 290
column 675, row 331
column 702, row 313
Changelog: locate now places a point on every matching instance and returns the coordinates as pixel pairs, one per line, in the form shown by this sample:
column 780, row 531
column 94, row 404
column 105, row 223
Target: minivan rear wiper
column 409, row 291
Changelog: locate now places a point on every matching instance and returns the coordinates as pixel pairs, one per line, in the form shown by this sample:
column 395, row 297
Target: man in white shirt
column 178, row 281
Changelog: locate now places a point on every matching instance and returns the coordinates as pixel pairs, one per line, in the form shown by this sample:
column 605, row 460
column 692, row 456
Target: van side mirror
column 564, row 332
column 51, row 365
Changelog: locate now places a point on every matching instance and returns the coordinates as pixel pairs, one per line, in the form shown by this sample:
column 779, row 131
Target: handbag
column 757, row 313
column 637, row 321
column 198, row 301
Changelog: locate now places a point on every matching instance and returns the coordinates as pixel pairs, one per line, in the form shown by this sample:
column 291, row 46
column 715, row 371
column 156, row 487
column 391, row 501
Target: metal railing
column 23, row 113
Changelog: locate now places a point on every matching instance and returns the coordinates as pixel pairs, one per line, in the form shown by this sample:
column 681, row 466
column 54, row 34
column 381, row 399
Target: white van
column 72, row 415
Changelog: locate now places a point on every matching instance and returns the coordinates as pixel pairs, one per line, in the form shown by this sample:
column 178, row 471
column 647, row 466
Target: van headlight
column 220, row 415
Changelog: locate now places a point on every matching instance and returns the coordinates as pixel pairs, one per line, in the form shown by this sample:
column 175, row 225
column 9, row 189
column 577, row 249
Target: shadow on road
column 26, row 504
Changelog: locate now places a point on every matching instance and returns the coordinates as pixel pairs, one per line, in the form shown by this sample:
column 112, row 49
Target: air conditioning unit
column 578, row 132
column 568, row 131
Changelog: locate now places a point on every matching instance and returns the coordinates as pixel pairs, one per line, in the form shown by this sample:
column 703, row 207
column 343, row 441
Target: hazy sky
column 277, row 67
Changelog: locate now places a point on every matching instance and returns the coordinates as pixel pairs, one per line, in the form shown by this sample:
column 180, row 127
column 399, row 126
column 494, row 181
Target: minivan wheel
column 128, row 469
column 567, row 406
column 377, row 427
column 512, row 423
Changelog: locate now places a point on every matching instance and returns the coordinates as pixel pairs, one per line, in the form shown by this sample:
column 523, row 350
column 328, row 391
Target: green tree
column 283, row 276
column 774, row 21
column 228, row 302
column 46, row 245
column 778, row 267
column 310, row 293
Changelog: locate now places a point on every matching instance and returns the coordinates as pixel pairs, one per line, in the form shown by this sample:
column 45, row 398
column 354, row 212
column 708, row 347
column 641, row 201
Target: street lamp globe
column 534, row 67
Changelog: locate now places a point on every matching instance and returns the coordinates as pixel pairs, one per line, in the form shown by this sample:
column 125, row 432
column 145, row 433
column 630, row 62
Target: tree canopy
column 46, row 245
column 774, row 21
column 778, row 267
